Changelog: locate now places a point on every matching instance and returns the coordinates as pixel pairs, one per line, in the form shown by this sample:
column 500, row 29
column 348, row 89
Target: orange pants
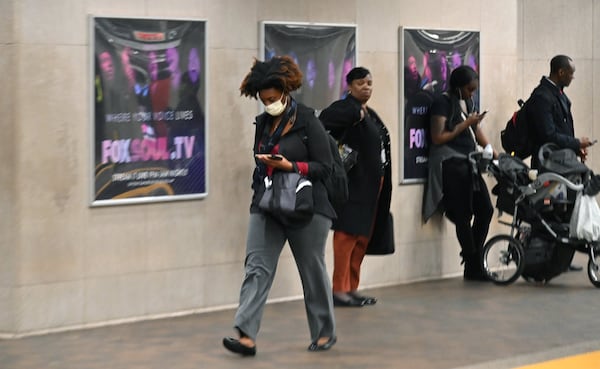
column 348, row 253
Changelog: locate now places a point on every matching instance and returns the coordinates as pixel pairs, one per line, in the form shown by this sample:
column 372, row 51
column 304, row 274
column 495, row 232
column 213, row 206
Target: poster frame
column 262, row 35
column 403, row 178
column 93, row 201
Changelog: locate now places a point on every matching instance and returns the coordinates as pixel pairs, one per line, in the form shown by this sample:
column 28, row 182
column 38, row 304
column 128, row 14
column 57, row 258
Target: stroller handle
column 545, row 177
column 480, row 161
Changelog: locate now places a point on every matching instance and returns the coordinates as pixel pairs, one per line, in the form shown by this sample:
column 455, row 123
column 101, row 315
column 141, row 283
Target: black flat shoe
column 324, row 347
column 235, row 346
column 366, row 300
column 351, row 302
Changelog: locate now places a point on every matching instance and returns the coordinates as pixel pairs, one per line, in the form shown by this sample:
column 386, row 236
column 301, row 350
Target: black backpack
column 515, row 137
column 337, row 181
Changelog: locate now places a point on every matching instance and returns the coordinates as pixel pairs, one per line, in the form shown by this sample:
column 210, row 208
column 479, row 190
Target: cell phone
column 484, row 112
column 275, row 157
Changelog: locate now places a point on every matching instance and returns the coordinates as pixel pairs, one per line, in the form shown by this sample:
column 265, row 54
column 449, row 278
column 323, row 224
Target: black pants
column 469, row 208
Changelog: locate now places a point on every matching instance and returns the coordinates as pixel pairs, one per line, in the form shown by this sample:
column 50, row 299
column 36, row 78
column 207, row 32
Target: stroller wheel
column 503, row 259
column 594, row 267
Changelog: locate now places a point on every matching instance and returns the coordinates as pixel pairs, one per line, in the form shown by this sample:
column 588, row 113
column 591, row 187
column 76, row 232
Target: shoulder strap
column 269, row 141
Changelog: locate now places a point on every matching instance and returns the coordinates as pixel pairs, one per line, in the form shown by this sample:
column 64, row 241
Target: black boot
column 473, row 270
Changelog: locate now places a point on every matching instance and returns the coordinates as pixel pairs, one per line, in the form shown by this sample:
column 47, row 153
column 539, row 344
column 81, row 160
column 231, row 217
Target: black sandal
column 324, row 347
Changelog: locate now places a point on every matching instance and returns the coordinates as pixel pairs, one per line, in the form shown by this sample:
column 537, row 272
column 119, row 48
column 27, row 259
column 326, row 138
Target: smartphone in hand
column 275, row 157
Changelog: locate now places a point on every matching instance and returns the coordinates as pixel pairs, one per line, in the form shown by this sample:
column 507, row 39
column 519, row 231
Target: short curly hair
column 280, row 72
column 357, row 73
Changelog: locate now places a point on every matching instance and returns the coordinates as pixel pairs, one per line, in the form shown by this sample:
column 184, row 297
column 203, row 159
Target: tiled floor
column 430, row 325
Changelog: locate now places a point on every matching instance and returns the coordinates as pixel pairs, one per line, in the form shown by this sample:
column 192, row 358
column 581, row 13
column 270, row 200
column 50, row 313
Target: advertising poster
column 427, row 57
column 149, row 119
column 325, row 54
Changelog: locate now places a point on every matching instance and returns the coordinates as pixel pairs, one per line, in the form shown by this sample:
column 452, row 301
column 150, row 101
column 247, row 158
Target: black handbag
column 288, row 197
column 382, row 241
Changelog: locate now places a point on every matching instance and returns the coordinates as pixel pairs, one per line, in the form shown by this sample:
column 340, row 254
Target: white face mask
column 276, row 108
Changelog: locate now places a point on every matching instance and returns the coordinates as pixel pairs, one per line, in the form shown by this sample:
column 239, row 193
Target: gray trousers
column 266, row 238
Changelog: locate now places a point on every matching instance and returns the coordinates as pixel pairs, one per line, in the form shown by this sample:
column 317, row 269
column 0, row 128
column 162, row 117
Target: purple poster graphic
column 427, row 59
column 149, row 110
column 324, row 53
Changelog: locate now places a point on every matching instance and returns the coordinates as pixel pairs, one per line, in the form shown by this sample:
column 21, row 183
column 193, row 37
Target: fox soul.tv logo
column 417, row 138
column 147, row 149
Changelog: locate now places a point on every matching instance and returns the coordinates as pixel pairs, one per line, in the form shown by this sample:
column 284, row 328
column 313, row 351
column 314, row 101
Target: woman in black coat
column 288, row 138
column 364, row 223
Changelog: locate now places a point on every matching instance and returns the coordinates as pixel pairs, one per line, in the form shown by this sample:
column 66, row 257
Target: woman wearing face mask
column 364, row 222
column 452, row 187
column 291, row 132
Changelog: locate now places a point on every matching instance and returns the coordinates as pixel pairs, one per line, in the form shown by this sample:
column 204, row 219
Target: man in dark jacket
column 364, row 223
column 549, row 111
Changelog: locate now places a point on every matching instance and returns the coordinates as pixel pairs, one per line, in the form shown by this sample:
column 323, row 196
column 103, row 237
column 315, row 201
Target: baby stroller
column 539, row 246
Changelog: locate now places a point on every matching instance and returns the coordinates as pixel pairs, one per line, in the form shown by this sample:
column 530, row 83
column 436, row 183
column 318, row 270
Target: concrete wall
column 8, row 209
column 65, row 265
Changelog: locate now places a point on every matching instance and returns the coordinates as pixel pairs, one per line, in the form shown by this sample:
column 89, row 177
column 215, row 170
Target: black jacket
column 306, row 141
column 363, row 211
column 549, row 118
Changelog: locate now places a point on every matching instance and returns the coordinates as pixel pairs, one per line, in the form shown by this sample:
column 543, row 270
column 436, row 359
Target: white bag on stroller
column 585, row 220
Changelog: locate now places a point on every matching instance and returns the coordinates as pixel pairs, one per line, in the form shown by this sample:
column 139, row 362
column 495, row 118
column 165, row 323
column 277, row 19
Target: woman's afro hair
column 280, row 72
